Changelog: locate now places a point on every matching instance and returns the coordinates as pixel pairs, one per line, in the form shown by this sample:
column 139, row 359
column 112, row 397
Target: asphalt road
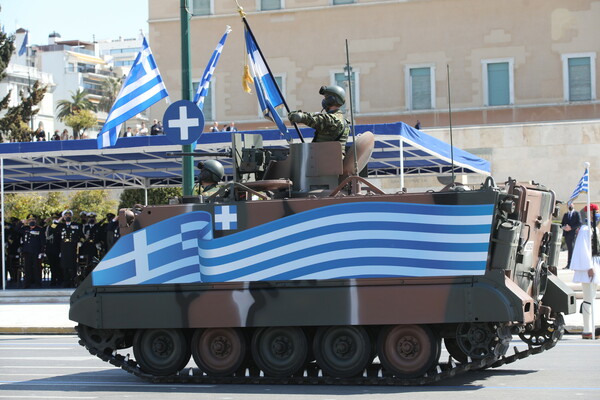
column 56, row 367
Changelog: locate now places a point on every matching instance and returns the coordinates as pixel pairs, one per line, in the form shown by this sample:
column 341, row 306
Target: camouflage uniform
column 328, row 127
column 209, row 190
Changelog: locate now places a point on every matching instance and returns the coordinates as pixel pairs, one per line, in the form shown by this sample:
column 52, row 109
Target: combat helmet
column 211, row 170
column 334, row 95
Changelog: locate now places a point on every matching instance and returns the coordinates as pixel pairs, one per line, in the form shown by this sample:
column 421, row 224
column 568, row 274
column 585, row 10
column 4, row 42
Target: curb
column 37, row 330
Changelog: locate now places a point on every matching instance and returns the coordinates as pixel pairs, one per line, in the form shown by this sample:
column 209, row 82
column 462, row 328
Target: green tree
column 97, row 201
column 80, row 120
column 156, row 196
column 79, row 101
column 7, row 47
column 110, row 90
column 45, row 204
column 41, row 204
column 15, row 124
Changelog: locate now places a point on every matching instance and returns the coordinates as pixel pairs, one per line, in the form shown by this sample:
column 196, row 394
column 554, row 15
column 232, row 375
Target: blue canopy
column 142, row 162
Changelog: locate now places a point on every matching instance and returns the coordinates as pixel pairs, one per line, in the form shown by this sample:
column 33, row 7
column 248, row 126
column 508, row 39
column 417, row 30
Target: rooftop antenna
column 450, row 122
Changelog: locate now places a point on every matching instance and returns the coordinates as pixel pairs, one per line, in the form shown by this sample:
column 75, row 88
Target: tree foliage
column 7, row 47
column 156, row 196
column 80, row 120
column 97, row 201
column 79, row 101
column 110, row 90
column 45, row 204
column 15, row 124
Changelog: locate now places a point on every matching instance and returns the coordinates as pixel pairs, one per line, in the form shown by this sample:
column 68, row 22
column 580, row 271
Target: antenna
column 450, row 122
column 349, row 71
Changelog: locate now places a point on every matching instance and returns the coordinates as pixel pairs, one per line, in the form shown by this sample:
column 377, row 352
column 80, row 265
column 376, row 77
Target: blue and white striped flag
column 143, row 87
column 23, row 48
column 210, row 69
column 264, row 83
column 582, row 186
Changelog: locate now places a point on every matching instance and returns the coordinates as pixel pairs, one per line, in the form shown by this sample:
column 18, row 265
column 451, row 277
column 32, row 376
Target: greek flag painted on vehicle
column 165, row 252
column 344, row 241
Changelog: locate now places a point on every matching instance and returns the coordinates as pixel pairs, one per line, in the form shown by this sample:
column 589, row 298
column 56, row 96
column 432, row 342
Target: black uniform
column 33, row 241
column 91, row 238
column 113, row 233
column 13, row 247
column 70, row 236
column 53, row 253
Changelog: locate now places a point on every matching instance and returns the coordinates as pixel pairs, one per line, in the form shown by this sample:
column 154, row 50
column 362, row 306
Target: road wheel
column 342, row 351
column 219, row 351
column 408, row 351
column 280, row 351
column 161, row 351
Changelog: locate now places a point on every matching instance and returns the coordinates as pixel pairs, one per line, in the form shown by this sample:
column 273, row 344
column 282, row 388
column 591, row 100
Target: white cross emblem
column 183, row 123
column 225, row 217
column 140, row 253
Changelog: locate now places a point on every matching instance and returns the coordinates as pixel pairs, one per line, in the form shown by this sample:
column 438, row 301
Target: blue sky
column 73, row 19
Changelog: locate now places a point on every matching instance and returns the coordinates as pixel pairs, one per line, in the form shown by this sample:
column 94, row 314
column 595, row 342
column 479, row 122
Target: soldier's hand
column 296, row 116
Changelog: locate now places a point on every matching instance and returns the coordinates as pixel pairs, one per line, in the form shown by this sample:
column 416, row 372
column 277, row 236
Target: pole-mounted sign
column 183, row 122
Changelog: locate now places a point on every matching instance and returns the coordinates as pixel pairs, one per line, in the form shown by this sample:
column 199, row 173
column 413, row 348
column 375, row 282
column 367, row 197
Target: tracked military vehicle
column 301, row 271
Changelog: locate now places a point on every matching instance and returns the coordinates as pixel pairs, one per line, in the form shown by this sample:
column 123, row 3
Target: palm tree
column 79, row 101
column 110, row 90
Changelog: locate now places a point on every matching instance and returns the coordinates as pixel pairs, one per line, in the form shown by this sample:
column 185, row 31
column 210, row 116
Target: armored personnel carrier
column 301, row 271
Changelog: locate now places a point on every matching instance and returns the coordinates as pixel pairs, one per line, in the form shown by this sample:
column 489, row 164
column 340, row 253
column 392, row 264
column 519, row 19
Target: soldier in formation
column 33, row 243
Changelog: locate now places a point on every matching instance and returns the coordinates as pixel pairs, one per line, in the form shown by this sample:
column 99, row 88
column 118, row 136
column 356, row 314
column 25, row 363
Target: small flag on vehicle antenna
column 143, row 87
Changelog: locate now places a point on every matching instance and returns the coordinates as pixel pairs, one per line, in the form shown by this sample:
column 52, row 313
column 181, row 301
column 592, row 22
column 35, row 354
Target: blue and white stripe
column 582, row 186
column 202, row 91
column 265, row 85
column 344, row 241
column 143, row 87
column 165, row 252
column 355, row 240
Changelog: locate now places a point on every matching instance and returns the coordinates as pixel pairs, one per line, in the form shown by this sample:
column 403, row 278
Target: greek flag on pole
column 23, row 48
column 582, row 186
column 143, row 87
column 210, row 69
column 264, row 83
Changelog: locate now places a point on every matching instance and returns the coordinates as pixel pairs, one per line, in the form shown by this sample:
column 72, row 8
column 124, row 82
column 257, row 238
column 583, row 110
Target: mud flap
column 559, row 296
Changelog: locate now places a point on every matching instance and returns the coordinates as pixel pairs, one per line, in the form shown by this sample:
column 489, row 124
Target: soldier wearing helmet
column 211, row 173
column 330, row 125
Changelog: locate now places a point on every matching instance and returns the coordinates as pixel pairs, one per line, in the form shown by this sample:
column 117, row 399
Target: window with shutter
column 207, row 109
column 420, row 88
column 201, row 7
column 266, row 5
column 341, row 79
column 580, row 79
column 498, row 84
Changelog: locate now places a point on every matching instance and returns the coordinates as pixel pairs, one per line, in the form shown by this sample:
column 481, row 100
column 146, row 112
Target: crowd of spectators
column 58, row 251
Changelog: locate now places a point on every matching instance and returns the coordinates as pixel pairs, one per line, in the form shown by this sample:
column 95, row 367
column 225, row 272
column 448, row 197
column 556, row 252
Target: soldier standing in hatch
column 70, row 236
column 211, row 173
column 33, row 241
column 330, row 125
